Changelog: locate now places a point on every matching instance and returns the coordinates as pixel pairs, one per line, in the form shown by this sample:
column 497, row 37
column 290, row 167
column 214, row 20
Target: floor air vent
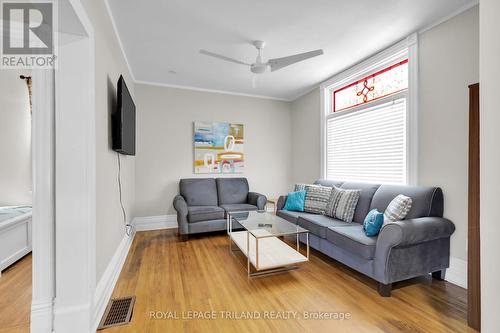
column 118, row 312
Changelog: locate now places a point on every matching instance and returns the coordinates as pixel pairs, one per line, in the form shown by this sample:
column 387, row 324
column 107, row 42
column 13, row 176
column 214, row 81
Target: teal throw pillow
column 373, row 223
column 295, row 201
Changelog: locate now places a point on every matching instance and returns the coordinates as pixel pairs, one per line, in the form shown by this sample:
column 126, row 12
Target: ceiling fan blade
column 215, row 55
column 279, row 63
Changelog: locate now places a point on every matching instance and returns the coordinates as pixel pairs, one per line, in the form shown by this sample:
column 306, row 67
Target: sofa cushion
column 204, row 213
column 365, row 198
column 426, row 201
column 353, row 239
column 232, row 190
column 318, row 224
column 291, row 216
column 238, row 207
column 199, row 191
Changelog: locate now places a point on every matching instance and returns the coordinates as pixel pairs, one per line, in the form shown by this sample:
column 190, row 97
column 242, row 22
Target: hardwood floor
column 171, row 278
column 15, row 297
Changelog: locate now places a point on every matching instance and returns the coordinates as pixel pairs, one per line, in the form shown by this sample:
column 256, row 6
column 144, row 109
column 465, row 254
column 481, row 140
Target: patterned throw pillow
column 397, row 209
column 300, row 187
column 316, row 198
column 342, row 204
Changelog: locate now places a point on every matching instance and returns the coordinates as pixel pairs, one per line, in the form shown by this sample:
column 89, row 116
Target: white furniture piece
column 260, row 241
column 15, row 234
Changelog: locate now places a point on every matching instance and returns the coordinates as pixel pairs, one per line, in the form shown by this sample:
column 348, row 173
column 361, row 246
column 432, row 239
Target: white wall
column 449, row 62
column 109, row 64
column 306, row 125
column 165, row 141
column 490, row 163
column 15, row 139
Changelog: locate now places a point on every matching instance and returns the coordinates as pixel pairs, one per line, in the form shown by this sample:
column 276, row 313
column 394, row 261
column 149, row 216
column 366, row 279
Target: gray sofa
column 417, row 246
column 203, row 203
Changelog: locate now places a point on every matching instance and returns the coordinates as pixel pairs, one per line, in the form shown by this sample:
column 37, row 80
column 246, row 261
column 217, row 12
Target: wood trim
column 473, row 270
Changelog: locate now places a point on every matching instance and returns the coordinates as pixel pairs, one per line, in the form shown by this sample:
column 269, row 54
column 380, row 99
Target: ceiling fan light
column 258, row 68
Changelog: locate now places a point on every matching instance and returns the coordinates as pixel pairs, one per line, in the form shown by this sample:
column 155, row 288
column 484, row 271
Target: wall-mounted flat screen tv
column 123, row 121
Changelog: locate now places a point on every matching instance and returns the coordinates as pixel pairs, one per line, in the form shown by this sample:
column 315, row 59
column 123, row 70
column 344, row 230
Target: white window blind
column 368, row 145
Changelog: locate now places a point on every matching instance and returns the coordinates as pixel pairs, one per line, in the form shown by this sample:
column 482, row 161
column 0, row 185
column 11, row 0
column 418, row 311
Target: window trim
column 407, row 48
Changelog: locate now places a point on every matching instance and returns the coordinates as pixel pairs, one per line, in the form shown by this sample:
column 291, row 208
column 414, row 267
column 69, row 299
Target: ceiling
column 162, row 38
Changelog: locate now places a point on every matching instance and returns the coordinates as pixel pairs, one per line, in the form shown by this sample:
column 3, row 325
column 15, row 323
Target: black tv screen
column 124, row 121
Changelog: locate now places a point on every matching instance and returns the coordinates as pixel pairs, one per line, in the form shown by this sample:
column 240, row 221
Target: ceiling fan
column 260, row 66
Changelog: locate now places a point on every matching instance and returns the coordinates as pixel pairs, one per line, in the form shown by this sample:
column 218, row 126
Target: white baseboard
column 155, row 222
column 457, row 273
column 41, row 316
column 73, row 318
column 106, row 284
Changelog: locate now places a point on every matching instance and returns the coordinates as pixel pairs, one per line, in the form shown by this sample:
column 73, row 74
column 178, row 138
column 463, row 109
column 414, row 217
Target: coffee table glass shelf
column 257, row 235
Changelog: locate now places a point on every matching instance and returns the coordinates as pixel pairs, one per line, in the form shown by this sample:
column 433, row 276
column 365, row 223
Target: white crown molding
column 301, row 94
column 305, row 92
column 159, row 222
column 106, row 284
column 449, row 16
column 225, row 92
column 115, row 29
column 457, row 272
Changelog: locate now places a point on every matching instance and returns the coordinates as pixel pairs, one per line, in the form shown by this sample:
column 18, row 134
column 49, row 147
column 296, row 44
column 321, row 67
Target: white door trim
column 43, row 201
column 64, row 279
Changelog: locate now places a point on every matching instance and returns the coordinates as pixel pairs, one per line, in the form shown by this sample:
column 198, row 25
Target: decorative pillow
column 300, row 187
column 342, row 204
column 373, row 223
column 295, row 201
column 397, row 209
column 316, row 198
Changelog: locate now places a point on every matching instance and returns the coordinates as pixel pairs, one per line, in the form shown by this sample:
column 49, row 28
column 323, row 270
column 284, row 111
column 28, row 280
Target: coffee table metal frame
column 268, row 270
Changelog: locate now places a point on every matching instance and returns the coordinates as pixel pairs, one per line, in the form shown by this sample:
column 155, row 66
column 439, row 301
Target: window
column 367, row 133
column 386, row 82
column 369, row 145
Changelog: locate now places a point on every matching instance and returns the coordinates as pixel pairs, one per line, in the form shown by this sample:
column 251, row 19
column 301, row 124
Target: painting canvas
column 218, row 147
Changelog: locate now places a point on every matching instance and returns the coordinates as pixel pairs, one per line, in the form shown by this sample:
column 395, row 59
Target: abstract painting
column 218, row 147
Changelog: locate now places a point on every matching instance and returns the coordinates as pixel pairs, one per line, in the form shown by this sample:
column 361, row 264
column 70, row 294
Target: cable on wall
column 128, row 227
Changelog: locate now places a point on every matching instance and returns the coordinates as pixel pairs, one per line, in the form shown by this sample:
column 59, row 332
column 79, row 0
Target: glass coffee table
column 258, row 235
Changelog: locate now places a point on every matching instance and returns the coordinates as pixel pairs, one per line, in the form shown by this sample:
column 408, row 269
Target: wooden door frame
column 473, row 244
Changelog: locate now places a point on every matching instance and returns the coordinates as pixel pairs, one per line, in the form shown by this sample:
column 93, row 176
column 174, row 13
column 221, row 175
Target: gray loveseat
column 416, row 246
column 203, row 203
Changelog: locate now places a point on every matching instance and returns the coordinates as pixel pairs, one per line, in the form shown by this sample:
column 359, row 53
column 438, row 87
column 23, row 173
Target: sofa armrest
column 405, row 234
column 281, row 202
column 181, row 207
column 257, row 199
column 414, row 231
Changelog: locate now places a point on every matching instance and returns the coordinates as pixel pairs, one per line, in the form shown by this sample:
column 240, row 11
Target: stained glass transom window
column 383, row 83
